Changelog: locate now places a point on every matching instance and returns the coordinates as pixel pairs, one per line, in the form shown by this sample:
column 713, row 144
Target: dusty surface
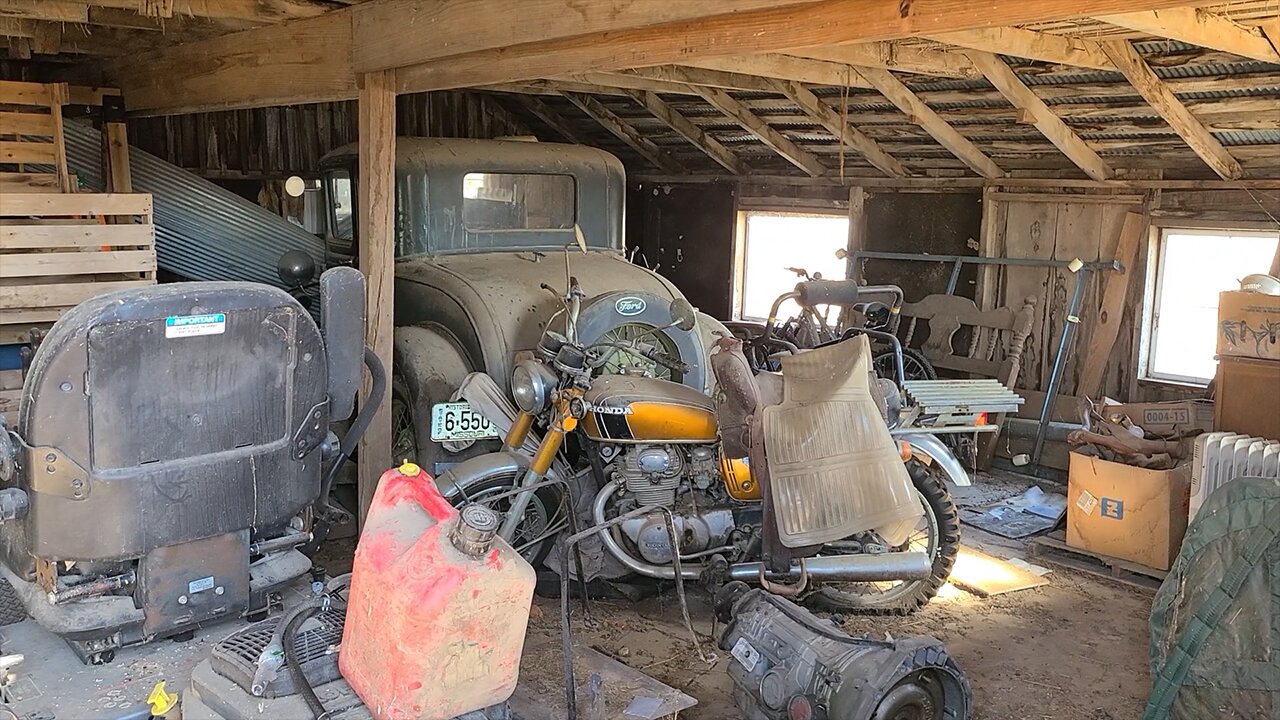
column 1073, row 650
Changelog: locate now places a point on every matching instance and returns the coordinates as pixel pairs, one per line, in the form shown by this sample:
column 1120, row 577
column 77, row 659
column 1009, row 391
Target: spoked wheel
column 937, row 534
column 543, row 518
column 919, row 696
column 404, row 433
column 915, row 365
column 621, row 360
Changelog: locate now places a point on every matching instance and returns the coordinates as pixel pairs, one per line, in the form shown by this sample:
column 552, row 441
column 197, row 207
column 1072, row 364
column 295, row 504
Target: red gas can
column 438, row 605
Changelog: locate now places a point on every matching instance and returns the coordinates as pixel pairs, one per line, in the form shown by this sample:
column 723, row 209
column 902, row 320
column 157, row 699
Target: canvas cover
column 834, row 468
column 1215, row 623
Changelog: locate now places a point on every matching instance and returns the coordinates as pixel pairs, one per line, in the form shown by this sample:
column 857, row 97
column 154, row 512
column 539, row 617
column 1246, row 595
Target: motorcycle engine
column 788, row 663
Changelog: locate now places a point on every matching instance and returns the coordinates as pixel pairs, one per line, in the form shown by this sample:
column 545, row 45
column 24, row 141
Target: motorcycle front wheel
column 938, row 534
column 545, row 513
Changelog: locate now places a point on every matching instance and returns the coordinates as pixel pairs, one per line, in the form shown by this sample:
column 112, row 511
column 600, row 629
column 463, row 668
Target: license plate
column 459, row 421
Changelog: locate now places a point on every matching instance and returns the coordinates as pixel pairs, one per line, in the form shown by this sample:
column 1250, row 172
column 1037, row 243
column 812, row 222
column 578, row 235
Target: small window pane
column 1193, row 267
column 777, row 242
column 506, row 201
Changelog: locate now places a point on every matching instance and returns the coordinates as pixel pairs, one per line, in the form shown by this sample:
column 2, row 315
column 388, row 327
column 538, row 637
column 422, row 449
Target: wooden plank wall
column 282, row 141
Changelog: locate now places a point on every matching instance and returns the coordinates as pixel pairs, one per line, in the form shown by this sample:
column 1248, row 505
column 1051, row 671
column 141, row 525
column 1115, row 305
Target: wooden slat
column 76, row 263
column 786, row 67
column 1111, row 310
column 924, row 116
column 694, row 134
column 32, row 317
column 839, row 126
column 1200, row 27
column 29, row 183
column 15, row 237
column 780, row 143
column 1046, row 121
column 1018, row 42
column 35, row 296
column 624, row 132
column 13, row 92
column 27, row 152
column 9, row 401
column 76, row 204
column 23, row 123
column 1160, row 97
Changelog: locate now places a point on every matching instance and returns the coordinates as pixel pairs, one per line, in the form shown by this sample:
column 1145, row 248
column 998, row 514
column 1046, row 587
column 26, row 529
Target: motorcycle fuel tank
column 632, row 409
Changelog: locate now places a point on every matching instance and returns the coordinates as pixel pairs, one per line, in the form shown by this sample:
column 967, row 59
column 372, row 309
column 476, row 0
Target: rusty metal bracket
column 51, row 472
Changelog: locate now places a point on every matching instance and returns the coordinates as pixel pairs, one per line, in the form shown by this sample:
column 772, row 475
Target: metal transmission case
column 788, row 663
column 164, row 430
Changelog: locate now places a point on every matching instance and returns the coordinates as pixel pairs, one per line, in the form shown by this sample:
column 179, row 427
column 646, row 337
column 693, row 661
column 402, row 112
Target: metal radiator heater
column 1220, row 457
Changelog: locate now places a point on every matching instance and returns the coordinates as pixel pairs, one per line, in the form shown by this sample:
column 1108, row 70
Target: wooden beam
column 694, row 134
column 786, row 67
column 550, row 117
column 682, row 75
column 396, row 33
column 925, row 117
column 51, row 10
column 830, row 22
column 839, row 126
column 1030, row 44
column 767, row 135
column 1199, row 27
column 1271, row 30
column 1049, row 124
column 303, row 61
column 1105, row 326
column 892, row 56
column 624, row 132
column 376, row 198
column 1192, row 131
column 256, row 11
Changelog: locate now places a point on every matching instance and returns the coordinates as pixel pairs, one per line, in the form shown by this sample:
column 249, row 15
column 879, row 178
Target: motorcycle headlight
column 531, row 385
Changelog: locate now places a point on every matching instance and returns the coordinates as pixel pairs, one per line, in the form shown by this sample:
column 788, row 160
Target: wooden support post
column 376, row 198
column 857, row 229
column 115, row 145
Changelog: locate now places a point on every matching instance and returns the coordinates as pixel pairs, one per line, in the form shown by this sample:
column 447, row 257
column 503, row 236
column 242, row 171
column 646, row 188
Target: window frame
column 1153, row 291
column 741, row 251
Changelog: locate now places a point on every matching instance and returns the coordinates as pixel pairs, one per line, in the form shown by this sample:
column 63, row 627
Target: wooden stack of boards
column 58, row 247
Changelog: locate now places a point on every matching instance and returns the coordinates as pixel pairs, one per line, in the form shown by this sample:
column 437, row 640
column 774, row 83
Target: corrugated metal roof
column 203, row 231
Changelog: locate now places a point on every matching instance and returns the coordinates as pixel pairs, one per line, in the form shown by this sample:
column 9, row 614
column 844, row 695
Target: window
column 505, row 201
column 1191, row 268
column 770, row 245
column 342, row 211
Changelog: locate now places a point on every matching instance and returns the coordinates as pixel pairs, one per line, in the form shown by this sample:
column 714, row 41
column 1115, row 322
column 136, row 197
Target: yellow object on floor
column 984, row 575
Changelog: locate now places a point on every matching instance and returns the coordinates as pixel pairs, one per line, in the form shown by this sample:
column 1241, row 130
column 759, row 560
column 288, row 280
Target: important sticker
column 1086, row 502
column 176, row 326
column 745, row 654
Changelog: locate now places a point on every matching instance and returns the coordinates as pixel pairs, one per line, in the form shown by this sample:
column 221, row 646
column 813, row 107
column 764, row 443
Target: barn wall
column 281, row 141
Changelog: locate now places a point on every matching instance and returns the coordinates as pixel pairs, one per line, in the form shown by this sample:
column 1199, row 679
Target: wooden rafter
column 624, row 132
column 786, row 67
column 1049, row 124
column 698, row 137
column 1157, row 94
column 1030, row 44
column 550, row 117
column 101, row 12
column 780, row 143
column 1200, row 27
column 893, row 56
column 839, row 126
column 925, row 117
column 51, row 10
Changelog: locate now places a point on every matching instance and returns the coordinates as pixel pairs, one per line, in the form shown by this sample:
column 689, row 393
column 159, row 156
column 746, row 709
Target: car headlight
column 531, row 385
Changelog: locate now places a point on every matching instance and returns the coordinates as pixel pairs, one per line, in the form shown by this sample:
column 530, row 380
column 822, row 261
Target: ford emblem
column 629, row 306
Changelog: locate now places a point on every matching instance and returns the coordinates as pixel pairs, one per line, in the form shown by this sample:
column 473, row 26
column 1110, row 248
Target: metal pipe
column 846, row 568
column 284, row 542
column 92, row 588
column 1060, row 362
column 1115, row 265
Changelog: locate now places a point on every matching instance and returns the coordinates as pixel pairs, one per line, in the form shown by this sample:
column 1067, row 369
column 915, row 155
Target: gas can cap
column 476, row 528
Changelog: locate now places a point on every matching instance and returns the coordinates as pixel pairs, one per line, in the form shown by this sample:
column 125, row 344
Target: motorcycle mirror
column 683, row 315
column 296, row 268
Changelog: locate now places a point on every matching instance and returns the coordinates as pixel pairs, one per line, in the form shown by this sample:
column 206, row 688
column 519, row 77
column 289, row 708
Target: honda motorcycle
column 791, row 482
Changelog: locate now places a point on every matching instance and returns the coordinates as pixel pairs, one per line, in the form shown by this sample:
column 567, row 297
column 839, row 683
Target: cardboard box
column 1249, row 325
column 1248, row 392
column 1167, row 418
column 1127, row 512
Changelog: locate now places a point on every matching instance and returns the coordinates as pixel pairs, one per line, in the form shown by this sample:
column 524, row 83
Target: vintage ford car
column 481, row 227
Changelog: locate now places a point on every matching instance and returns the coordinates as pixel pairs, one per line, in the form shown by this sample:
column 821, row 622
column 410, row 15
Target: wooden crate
column 10, row 394
column 57, row 251
column 31, row 134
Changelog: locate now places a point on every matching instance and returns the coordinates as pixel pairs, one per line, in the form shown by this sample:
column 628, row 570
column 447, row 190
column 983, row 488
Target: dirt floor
column 1075, row 649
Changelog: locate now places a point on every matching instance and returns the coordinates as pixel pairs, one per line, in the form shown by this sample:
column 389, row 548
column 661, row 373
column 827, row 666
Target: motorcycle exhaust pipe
column 845, row 568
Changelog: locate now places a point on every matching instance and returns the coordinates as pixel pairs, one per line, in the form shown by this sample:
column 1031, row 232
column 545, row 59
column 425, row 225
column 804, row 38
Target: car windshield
column 495, row 202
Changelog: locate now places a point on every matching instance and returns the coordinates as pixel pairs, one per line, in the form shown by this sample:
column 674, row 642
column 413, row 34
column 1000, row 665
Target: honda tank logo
column 629, row 306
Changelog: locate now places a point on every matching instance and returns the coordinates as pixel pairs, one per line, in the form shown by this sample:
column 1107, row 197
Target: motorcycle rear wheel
column 942, row 541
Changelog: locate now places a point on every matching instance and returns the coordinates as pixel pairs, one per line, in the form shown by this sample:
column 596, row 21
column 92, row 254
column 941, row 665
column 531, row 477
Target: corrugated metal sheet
column 203, row 232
